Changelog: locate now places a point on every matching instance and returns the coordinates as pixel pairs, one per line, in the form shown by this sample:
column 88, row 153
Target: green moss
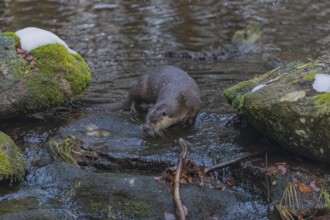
column 134, row 209
column 18, row 205
column 232, row 93
column 322, row 101
column 5, row 168
column 326, row 197
column 12, row 165
column 64, row 149
column 13, row 35
column 55, row 59
column 95, row 206
column 238, row 103
column 311, row 75
column 60, row 76
column 69, row 149
column 10, row 61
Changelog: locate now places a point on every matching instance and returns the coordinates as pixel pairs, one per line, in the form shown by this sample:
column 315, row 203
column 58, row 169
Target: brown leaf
column 271, row 171
column 304, row 188
column 183, row 181
column 230, row 181
column 190, row 179
column 282, row 169
column 33, row 62
column 20, row 50
column 29, row 58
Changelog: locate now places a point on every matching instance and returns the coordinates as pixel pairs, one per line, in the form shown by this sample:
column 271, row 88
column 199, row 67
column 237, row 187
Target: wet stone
column 121, row 144
column 109, row 194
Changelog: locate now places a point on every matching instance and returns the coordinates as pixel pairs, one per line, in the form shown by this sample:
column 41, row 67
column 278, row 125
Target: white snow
column 258, row 87
column 32, row 37
column 322, row 83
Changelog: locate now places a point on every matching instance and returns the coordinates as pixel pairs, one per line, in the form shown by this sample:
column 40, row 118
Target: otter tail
column 124, row 104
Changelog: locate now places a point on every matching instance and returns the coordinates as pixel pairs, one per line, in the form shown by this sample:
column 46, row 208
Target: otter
column 173, row 92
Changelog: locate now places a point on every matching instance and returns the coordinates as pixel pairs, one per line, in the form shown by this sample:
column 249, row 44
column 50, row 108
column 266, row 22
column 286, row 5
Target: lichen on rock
column 288, row 109
column 12, row 164
column 54, row 79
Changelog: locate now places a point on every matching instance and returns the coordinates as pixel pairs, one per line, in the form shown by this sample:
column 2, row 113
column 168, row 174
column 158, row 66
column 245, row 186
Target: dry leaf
column 183, row 181
column 230, row 181
column 282, row 169
column 304, row 188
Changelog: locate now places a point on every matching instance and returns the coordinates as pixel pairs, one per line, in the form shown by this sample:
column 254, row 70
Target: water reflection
column 50, row 15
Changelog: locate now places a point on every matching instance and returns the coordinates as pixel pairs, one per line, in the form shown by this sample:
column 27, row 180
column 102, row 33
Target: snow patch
column 32, row 38
column 322, row 83
column 258, row 87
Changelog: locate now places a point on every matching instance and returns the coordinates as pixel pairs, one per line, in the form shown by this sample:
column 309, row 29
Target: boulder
column 46, row 77
column 283, row 105
column 12, row 164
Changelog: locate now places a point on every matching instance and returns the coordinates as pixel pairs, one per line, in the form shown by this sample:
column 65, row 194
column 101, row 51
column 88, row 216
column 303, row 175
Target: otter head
column 159, row 116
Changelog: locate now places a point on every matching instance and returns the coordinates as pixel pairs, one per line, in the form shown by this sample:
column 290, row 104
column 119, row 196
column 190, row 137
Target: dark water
column 121, row 39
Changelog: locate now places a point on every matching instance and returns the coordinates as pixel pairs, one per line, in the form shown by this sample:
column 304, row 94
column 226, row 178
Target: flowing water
column 121, row 39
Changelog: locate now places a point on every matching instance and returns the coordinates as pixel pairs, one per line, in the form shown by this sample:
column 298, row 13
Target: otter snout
column 148, row 129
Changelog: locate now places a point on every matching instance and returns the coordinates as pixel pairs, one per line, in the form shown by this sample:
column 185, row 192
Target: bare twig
column 230, row 162
column 179, row 206
column 267, row 182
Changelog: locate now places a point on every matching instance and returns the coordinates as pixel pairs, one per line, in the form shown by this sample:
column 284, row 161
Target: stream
column 120, row 40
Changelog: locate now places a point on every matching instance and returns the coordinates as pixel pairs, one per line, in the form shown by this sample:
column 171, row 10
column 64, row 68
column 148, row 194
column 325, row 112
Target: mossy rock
column 12, row 164
column 55, row 78
column 287, row 109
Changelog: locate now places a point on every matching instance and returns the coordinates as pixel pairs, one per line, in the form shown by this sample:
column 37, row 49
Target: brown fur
column 174, row 92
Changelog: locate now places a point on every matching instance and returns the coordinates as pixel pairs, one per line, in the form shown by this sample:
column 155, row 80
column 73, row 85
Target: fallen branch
column 180, row 209
column 230, row 162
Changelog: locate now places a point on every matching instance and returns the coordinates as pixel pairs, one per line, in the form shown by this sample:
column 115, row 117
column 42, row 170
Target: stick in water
column 179, row 206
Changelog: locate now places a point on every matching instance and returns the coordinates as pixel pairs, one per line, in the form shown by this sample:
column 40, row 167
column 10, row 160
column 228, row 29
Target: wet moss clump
column 287, row 109
column 45, row 78
column 61, row 75
column 323, row 101
column 14, row 36
column 12, row 164
column 70, row 150
column 54, row 59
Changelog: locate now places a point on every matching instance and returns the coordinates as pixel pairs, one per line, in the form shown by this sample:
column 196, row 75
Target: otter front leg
column 192, row 120
column 133, row 106
column 192, row 116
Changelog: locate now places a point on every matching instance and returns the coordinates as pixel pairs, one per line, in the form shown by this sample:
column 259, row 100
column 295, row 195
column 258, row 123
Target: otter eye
column 163, row 114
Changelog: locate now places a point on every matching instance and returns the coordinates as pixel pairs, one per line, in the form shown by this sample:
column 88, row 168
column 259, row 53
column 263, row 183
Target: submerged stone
column 126, row 196
column 47, row 77
column 287, row 108
column 12, row 164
